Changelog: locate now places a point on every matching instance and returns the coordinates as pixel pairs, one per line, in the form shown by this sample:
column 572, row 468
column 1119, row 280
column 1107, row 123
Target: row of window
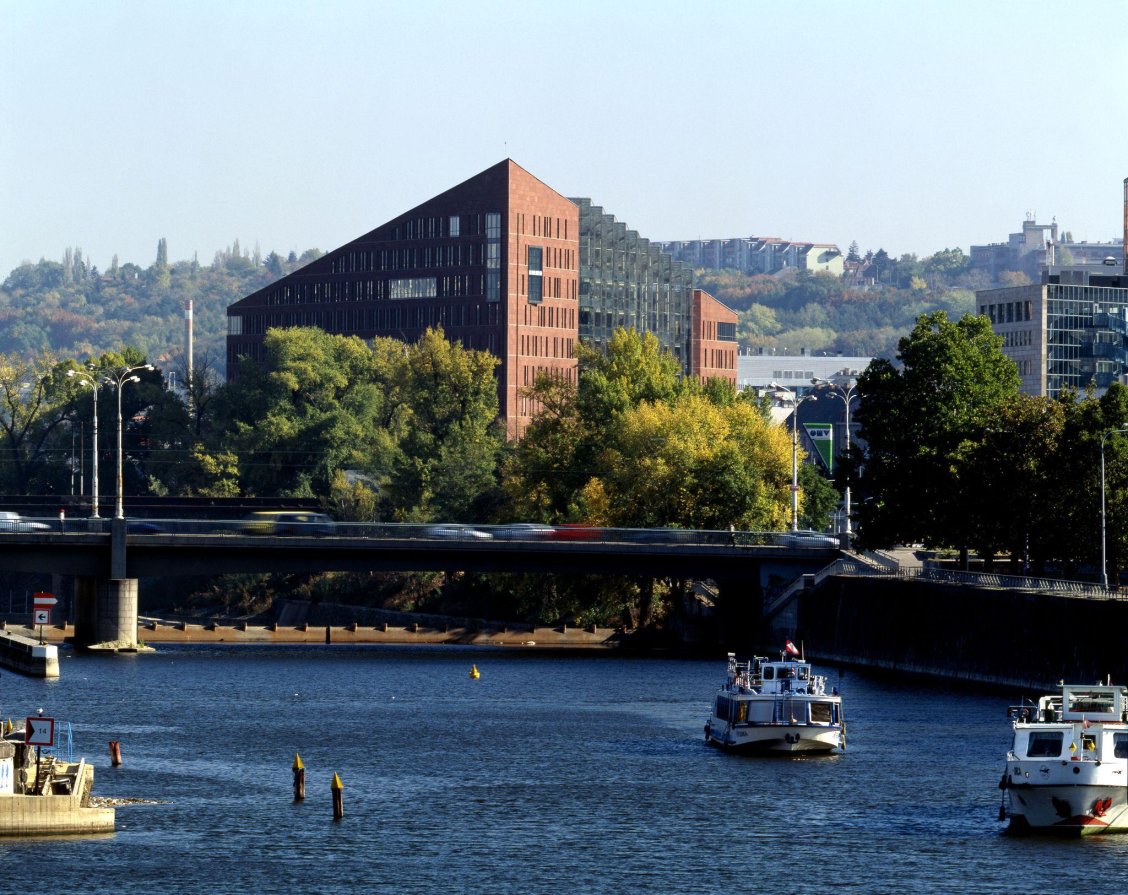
column 388, row 318
column 455, row 254
column 1018, row 338
column 562, row 318
column 546, row 346
column 440, row 226
column 1007, row 311
column 719, row 359
column 472, row 285
column 542, row 225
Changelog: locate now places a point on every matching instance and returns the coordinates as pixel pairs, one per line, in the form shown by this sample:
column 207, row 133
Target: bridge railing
column 324, row 527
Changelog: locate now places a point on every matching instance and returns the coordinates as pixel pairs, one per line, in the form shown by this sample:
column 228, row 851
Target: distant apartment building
column 1038, row 247
column 757, row 255
column 505, row 264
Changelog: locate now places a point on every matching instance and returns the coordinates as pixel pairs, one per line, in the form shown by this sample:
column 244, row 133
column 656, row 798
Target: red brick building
column 496, row 262
column 712, row 343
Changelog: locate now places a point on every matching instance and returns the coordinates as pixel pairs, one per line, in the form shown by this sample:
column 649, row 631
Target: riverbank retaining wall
column 960, row 632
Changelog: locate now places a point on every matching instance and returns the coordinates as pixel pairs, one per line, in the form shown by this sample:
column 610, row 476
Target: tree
column 916, row 419
column 853, row 253
column 32, row 407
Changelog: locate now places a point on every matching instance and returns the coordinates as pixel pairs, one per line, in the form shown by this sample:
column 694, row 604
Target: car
column 448, row 531
column 142, row 527
column 12, row 521
column 523, row 531
column 288, row 522
column 807, row 539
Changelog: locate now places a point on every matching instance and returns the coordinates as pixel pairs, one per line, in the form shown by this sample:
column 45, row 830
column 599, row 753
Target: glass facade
column 627, row 282
column 1086, row 337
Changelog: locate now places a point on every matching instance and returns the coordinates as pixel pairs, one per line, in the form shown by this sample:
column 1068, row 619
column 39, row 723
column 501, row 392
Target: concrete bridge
column 107, row 557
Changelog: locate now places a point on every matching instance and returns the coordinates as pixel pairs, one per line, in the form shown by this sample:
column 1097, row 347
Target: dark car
column 288, row 522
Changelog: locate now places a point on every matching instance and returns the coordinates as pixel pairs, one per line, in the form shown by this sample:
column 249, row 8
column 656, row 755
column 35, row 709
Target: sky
column 909, row 126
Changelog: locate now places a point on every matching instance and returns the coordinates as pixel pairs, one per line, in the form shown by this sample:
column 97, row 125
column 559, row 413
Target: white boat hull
column 780, row 738
column 1072, row 810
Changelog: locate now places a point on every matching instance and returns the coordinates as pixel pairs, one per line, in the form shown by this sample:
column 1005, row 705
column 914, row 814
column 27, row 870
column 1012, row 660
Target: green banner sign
column 822, row 437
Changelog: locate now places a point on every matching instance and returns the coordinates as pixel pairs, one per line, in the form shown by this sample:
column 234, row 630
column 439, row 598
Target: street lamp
column 118, row 380
column 1104, row 562
column 843, row 387
column 85, row 377
column 787, row 395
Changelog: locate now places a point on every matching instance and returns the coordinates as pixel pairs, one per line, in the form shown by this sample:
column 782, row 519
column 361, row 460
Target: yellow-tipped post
column 338, row 797
column 299, row 778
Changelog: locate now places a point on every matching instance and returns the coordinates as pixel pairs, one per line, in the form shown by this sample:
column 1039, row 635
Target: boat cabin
column 1071, row 726
column 784, row 677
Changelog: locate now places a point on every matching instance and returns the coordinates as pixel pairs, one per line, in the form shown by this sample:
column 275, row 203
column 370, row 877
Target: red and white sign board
column 40, row 732
column 42, row 617
column 43, row 600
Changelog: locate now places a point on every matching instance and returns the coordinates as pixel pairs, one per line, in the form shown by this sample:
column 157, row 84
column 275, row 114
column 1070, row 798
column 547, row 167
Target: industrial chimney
column 1125, row 268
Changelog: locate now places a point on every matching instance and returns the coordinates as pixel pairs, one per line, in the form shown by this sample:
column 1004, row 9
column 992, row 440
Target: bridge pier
column 105, row 613
column 105, row 609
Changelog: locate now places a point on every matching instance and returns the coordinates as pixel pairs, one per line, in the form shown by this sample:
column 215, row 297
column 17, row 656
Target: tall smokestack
column 1125, row 268
column 188, row 337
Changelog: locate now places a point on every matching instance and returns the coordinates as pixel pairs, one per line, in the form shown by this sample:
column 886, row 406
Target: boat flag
column 790, row 647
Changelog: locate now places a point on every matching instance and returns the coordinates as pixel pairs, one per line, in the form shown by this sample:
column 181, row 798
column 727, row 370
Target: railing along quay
column 1065, row 587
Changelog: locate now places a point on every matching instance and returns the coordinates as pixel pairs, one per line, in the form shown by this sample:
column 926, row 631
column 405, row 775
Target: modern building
column 793, row 371
column 503, row 263
column 757, row 255
column 1070, row 331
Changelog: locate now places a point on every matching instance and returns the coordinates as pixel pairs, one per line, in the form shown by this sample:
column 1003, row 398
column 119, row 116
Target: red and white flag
column 790, row 647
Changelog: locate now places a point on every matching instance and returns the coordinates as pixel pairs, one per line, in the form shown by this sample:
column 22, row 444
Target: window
column 1044, row 744
column 821, row 712
column 726, row 332
column 493, row 226
column 536, row 278
column 1120, row 745
column 454, row 229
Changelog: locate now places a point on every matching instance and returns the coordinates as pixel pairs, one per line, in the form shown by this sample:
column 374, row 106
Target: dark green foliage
column 69, row 309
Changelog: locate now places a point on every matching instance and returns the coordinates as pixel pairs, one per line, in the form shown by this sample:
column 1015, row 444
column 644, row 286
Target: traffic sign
column 43, row 600
column 40, row 732
column 42, row 616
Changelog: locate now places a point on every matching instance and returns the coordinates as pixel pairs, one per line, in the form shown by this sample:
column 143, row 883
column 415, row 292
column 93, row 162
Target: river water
column 550, row 774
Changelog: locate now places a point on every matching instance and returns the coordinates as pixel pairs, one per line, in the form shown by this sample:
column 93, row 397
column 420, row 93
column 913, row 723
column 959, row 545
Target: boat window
column 1120, row 745
column 722, row 708
column 1044, row 744
column 769, row 673
column 820, row 712
column 804, row 673
column 1088, row 701
column 741, row 711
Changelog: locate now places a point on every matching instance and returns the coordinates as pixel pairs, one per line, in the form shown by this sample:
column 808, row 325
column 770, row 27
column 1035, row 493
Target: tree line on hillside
column 69, row 307
column 785, row 313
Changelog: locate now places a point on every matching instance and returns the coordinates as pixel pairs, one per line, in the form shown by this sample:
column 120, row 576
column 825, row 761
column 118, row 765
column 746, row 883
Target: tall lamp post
column 1104, row 561
column 118, row 380
column 788, row 396
column 87, row 377
column 844, row 387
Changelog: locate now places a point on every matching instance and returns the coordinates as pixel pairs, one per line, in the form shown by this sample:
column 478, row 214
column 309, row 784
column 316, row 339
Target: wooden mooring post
column 299, row 778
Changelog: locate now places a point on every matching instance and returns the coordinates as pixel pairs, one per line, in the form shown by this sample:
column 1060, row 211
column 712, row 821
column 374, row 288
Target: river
column 551, row 773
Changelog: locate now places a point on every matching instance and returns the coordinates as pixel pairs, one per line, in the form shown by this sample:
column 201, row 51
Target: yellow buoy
column 474, row 672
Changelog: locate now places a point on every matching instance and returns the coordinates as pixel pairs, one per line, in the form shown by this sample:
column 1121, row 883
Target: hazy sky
column 911, row 126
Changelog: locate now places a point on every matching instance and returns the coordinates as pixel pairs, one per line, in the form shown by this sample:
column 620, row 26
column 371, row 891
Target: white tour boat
column 1067, row 768
column 775, row 706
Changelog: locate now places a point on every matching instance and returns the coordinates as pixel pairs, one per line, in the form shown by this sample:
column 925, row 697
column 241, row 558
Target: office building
column 503, row 263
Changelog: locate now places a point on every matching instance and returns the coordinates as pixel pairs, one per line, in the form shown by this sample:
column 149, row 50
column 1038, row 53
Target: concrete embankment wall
column 27, row 655
column 977, row 634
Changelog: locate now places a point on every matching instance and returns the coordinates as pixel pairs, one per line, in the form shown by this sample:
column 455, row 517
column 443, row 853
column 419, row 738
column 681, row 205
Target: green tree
column 916, row 420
